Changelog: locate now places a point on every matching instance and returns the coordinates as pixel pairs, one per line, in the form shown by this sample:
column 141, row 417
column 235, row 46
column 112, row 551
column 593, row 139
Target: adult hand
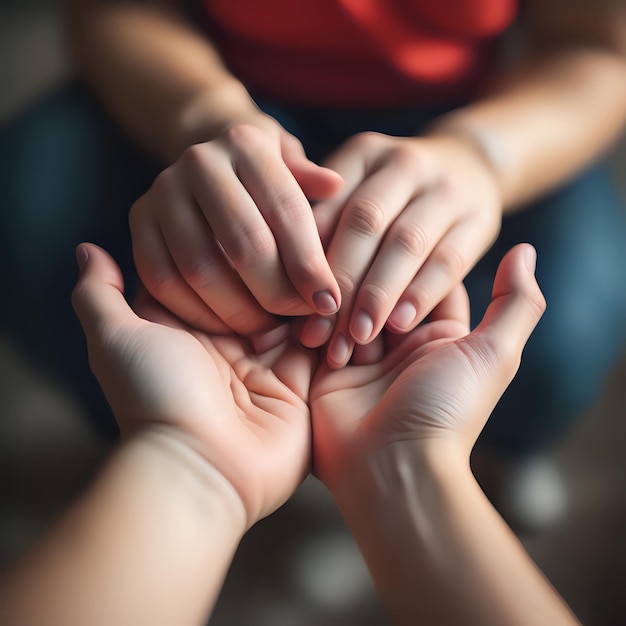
column 225, row 236
column 244, row 412
column 435, row 387
column 413, row 216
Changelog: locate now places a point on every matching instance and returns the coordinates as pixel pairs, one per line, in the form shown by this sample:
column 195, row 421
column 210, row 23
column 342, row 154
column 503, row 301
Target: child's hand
column 225, row 236
column 245, row 414
column 414, row 216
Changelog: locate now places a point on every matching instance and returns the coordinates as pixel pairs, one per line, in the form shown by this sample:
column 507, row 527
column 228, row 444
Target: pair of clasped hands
column 248, row 391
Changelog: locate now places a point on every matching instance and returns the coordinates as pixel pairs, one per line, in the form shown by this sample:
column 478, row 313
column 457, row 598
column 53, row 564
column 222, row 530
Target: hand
column 435, row 386
column 245, row 414
column 226, row 235
column 413, row 217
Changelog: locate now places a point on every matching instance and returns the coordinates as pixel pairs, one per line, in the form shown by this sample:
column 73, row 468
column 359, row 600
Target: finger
column 316, row 331
column 241, row 230
column 147, row 308
column 202, row 264
column 295, row 369
column 496, row 344
column 288, row 213
column 98, row 297
column 368, row 213
column 353, row 167
column 161, row 277
column 454, row 307
column 406, row 247
column 358, row 159
column 446, row 266
column 317, row 182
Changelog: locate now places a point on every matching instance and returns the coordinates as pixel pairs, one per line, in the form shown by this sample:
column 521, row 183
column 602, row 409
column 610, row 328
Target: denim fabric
column 67, row 174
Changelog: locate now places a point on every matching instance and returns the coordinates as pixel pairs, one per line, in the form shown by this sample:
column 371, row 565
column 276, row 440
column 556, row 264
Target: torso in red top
column 363, row 53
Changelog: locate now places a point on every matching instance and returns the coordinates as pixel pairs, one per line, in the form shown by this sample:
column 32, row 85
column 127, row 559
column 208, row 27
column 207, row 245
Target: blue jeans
column 71, row 175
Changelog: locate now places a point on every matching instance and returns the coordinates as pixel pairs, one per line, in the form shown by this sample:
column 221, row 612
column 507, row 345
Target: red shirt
column 359, row 53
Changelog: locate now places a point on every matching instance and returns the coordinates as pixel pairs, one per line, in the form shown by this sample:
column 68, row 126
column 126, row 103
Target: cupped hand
column 437, row 384
column 244, row 412
column 414, row 215
column 225, row 237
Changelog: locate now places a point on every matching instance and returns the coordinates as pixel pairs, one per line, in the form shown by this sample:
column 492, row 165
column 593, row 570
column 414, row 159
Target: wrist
column 385, row 478
column 208, row 113
column 481, row 147
column 191, row 477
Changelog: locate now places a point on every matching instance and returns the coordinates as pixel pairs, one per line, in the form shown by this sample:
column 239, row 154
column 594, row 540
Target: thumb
column 517, row 305
column 317, row 182
column 98, row 297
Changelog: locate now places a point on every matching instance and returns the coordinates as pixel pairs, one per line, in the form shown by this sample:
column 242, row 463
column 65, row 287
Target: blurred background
column 300, row 565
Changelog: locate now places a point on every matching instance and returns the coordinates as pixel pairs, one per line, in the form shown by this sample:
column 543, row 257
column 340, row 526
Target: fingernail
column 362, row 327
column 339, row 349
column 82, row 256
column 403, row 315
column 325, row 302
column 530, row 258
column 317, row 331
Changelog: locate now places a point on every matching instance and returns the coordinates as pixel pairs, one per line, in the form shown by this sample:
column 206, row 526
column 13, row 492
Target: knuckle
column 293, row 208
column 346, row 283
column 537, row 302
column 451, row 261
column 367, row 139
column 411, row 238
column 366, row 217
column 447, row 189
column 160, row 282
column 242, row 135
column 375, row 295
column 251, row 244
column 306, row 270
column 201, row 272
column 408, row 156
column 193, row 159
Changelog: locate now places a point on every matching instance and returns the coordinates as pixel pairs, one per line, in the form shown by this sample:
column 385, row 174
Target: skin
column 392, row 442
column 401, row 230
column 217, row 431
column 216, row 435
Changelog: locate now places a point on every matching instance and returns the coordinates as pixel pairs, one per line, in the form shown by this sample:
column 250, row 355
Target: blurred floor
column 300, row 566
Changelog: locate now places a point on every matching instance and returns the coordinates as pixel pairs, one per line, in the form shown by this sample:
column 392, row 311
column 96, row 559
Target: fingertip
column 325, row 302
column 82, row 257
column 339, row 351
column 530, row 257
column 362, row 327
column 316, row 331
column 99, row 289
column 318, row 182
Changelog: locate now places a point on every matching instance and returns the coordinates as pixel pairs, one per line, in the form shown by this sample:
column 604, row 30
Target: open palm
column 439, row 382
column 245, row 413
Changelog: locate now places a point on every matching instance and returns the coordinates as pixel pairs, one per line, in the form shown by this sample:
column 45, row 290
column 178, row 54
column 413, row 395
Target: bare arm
column 561, row 107
column 149, row 543
column 158, row 75
column 392, row 442
column 438, row 551
column 214, row 438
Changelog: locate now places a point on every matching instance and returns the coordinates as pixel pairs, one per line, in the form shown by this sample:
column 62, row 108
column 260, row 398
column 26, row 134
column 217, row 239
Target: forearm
column 159, row 77
column 548, row 120
column 437, row 550
column 149, row 543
